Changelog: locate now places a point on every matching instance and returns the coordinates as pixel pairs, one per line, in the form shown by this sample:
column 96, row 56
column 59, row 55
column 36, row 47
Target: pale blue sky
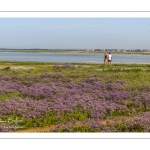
column 75, row 33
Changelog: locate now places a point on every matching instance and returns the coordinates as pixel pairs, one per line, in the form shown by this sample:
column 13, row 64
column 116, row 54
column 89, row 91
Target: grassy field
column 51, row 97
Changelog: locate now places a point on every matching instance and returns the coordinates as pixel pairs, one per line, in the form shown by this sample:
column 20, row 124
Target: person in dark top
column 105, row 58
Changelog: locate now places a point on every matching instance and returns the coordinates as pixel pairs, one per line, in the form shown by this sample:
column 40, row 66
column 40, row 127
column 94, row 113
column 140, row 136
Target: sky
column 75, row 33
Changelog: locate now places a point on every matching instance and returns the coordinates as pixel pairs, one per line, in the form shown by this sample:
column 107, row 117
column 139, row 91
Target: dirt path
column 37, row 129
column 17, row 67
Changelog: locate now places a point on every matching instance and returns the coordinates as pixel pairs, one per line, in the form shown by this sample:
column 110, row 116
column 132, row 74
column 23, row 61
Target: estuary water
column 73, row 57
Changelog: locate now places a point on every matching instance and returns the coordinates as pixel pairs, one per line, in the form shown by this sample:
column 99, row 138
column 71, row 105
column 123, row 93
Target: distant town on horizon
column 96, row 49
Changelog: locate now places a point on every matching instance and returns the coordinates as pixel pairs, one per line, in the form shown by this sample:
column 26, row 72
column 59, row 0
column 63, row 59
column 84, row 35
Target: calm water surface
column 72, row 58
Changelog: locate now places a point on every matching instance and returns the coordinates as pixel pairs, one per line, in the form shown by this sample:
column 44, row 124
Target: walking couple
column 107, row 58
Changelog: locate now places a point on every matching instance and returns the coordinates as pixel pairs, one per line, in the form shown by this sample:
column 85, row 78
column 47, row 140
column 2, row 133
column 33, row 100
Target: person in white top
column 109, row 58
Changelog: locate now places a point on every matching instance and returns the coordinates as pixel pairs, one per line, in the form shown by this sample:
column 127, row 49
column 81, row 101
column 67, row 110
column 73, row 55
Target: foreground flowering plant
column 89, row 105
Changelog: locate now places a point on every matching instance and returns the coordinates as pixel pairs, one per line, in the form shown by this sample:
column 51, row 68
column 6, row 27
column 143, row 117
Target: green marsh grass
column 134, row 75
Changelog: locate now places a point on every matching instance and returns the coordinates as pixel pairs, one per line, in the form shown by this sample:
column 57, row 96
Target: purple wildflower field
column 92, row 104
